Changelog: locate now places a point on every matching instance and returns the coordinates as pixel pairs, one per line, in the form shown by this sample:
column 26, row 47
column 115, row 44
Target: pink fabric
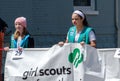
column 22, row 21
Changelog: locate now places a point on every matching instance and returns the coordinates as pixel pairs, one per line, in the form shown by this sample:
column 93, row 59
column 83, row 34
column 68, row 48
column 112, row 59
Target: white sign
column 56, row 64
column 117, row 53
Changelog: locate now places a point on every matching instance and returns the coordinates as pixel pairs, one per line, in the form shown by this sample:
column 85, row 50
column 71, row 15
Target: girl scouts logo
column 75, row 57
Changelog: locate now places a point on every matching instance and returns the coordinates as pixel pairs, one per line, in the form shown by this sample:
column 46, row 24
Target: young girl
column 80, row 32
column 21, row 37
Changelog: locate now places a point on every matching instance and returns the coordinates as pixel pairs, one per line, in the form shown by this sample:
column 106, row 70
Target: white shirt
column 91, row 36
column 18, row 41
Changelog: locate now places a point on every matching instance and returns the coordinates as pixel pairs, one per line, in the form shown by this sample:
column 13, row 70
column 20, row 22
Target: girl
column 21, row 37
column 80, row 32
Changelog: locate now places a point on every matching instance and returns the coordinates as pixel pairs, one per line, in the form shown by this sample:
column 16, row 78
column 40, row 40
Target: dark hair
column 3, row 24
column 85, row 22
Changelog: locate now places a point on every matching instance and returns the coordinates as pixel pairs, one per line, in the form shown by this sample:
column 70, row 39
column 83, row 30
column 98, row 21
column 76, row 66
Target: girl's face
column 76, row 19
column 19, row 27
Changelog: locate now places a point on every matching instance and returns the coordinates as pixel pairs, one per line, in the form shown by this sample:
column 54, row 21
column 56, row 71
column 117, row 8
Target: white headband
column 79, row 13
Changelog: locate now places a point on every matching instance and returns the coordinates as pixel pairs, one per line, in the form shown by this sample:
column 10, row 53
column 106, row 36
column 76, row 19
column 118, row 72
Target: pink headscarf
column 22, row 21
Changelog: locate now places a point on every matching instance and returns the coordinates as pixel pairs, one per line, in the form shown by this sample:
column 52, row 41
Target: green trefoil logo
column 76, row 57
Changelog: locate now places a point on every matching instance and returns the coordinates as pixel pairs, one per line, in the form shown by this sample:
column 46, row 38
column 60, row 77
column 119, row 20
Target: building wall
column 118, row 21
column 104, row 24
column 48, row 21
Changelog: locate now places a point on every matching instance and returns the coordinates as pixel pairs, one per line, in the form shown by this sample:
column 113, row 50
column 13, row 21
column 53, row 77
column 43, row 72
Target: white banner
column 67, row 63
column 111, row 63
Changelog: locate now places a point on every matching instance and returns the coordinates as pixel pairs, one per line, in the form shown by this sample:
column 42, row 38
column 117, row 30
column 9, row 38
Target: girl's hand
column 61, row 43
column 6, row 48
column 20, row 48
column 82, row 43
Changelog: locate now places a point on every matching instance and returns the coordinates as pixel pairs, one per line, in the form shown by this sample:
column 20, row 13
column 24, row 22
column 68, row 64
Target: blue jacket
column 26, row 42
